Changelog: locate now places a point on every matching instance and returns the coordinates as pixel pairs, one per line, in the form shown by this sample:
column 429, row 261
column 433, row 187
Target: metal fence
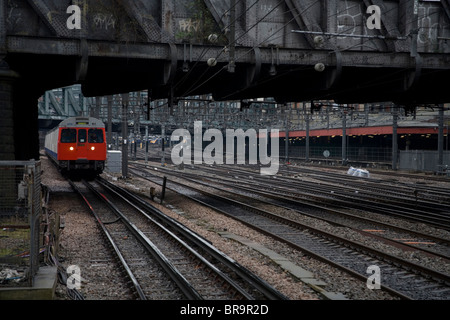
column 413, row 160
column 362, row 154
column 20, row 213
column 423, row 160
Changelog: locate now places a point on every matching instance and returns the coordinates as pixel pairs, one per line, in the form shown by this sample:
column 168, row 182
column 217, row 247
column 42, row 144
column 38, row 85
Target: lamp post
column 394, row 137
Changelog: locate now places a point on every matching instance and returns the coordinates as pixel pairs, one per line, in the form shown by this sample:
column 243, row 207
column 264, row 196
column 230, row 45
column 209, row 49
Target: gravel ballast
column 82, row 245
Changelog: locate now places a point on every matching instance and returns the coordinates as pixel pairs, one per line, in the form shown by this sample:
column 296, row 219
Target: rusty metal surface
column 150, row 41
column 258, row 23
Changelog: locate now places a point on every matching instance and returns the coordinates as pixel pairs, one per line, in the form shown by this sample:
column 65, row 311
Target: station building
column 368, row 131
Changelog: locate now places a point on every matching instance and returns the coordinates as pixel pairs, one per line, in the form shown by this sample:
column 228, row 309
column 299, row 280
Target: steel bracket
column 82, row 61
column 170, row 65
column 334, row 74
column 254, row 71
column 412, row 76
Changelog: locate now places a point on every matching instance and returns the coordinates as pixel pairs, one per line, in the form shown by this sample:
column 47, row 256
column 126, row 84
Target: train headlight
column 92, row 148
column 72, row 148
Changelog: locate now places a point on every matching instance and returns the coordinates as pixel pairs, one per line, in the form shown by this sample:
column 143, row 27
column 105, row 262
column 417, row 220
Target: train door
column 81, row 145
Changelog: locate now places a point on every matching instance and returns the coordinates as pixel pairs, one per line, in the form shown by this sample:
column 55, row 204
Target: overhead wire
column 234, row 43
column 280, row 29
column 376, row 81
column 379, row 80
column 363, row 43
column 204, row 52
column 245, row 33
column 372, row 82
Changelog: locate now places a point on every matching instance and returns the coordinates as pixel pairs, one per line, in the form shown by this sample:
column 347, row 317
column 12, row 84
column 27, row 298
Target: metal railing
column 363, row 154
column 424, row 160
column 20, row 213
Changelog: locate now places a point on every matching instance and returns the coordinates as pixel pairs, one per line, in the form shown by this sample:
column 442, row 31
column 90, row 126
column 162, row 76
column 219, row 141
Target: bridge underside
column 354, row 84
column 163, row 46
column 406, row 84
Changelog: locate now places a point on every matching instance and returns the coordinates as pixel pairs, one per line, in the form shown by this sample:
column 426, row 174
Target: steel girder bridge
column 291, row 50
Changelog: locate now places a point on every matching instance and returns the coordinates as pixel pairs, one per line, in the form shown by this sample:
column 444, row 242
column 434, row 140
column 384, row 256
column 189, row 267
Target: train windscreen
column 82, row 136
column 95, row 136
column 68, row 135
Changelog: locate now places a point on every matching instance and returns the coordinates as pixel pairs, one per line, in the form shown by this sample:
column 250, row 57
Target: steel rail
column 439, row 220
column 358, row 247
column 321, row 187
column 292, row 204
column 430, row 195
column 243, row 272
column 130, row 274
column 165, row 263
column 290, row 199
column 182, row 243
column 377, row 187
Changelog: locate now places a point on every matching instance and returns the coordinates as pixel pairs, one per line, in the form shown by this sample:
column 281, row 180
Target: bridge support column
column 7, row 78
column 26, row 123
column 8, row 187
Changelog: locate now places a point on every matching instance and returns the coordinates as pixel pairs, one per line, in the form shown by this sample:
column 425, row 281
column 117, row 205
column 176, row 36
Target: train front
column 82, row 145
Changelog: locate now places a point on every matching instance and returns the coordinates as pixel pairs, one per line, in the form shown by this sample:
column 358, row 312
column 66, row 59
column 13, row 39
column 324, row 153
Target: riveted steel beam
column 303, row 17
column 446, row 6
column 145, row 19
column 43, row 11
column 162, row 51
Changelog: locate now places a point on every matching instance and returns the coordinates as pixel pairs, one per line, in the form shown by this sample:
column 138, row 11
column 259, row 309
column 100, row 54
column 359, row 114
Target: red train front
column 78, row 143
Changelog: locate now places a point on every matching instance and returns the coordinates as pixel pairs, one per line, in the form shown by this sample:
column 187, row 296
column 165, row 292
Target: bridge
column 290, row 50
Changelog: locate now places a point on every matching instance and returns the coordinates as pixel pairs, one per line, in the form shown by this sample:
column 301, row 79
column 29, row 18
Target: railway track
column 419, row 202
column 419, row 192
column 391, row 234
column 385, row 201
column 162, row 258
column 389, row 174
column 345, row 197
column 400, row 277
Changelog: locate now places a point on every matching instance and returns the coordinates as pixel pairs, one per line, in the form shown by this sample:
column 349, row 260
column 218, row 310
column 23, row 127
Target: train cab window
column 95, row 136
column 68, row 135
column 82, row 136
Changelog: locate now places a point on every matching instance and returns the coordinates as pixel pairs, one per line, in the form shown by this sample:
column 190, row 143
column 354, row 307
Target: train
column 78, row 144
